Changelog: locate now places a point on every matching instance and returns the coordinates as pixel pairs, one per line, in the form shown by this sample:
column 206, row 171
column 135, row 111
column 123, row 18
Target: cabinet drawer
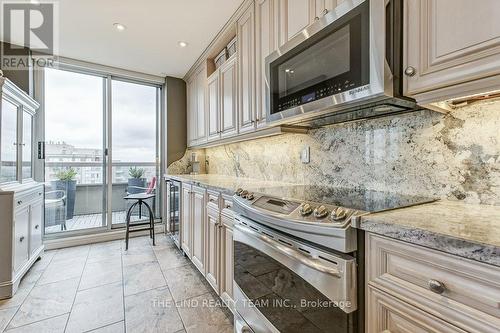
column 213, row 199
column 227, row 205
column 388, row 314
column 25, row 198
column 465, row 292
column 20, row 241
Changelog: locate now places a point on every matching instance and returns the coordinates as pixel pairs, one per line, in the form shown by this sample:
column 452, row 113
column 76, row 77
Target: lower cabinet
column 227, row 253
column 186, row 221
column 198, row 223
column 21, row 216
column 213, row 245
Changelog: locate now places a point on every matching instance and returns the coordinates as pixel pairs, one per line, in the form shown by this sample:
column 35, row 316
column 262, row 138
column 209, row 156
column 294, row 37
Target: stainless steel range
column 298, row 261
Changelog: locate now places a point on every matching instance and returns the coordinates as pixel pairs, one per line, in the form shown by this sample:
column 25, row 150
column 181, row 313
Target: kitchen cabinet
column 229, row 97
column 266, row 42
column 21, row 198
column 246, row 69
column 196, row 93
column 213, row 105
column 294, row 17
column 198, row 223
column 213, row 246
column 451, row 48
column 428, row 291
column 191, row 111
column 186, row 219
column 322, row 7
column 227, row 253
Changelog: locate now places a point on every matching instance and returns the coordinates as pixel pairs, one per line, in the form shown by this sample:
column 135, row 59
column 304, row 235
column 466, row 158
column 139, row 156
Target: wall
column 23, row 76
column 455, row 156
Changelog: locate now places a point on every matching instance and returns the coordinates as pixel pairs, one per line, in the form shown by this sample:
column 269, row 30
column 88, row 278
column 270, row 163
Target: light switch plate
column 305, row 155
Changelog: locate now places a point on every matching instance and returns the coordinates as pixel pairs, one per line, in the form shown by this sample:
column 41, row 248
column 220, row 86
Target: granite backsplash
column 454, row 156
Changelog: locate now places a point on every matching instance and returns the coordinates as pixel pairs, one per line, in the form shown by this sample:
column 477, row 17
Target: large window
column 101, row 143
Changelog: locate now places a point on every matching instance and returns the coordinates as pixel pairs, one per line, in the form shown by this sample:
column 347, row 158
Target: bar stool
column 140, row 199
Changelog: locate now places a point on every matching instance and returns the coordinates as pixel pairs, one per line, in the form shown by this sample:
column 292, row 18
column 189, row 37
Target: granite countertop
column 466, row 230
column 225, row 184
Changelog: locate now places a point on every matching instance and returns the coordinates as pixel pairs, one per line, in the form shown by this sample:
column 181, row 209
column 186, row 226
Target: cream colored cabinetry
column 196, row 106
column 246, row 70
column 229, row 98
column 226, row 252
column 322, row 7
column 213, row 238
column 186, row 219
column 191, row 111
column 266, row 42
column 415, row 287
column 295, row 16
column 451, row 48
column 198, row 223
column 21, row 231
column 213, row 106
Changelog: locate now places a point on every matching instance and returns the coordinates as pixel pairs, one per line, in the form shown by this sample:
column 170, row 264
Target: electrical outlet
column 305, row 155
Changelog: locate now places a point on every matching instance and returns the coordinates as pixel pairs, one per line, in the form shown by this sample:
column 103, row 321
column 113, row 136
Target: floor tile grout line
column 76, row 292
column 171, row 295
column 98, row 328
column 29, row 293
column 36, row 322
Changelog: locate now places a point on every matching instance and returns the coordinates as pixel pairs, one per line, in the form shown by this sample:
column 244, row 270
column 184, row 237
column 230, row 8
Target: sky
column 74, row 114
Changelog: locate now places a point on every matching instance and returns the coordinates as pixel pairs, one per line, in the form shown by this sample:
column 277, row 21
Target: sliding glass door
column 101, row 139
column 134, row 143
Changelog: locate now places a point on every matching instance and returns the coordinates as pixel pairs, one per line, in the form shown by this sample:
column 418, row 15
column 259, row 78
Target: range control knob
column 238, row 191
column 250, row 196
column 305, row 209
column 244, row 193
column 321, row 212
column 338, row 214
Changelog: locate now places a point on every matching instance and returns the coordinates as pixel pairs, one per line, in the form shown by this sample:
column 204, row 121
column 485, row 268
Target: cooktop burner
column 353, row 198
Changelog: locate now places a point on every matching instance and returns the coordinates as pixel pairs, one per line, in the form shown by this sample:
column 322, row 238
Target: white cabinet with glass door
column 20, row 196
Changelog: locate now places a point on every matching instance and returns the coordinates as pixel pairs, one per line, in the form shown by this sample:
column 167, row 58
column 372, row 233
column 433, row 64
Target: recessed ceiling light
column 119, row 26
column 35, row 2
column 182, row 44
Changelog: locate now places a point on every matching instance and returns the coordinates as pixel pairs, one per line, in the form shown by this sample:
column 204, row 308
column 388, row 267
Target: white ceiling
column 154, row 28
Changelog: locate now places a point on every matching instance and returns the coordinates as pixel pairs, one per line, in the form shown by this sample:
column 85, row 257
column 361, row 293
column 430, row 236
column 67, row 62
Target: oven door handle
column 290, row 252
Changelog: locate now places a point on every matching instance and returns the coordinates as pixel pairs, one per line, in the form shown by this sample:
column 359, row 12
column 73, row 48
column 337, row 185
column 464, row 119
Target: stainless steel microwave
column 346, row 66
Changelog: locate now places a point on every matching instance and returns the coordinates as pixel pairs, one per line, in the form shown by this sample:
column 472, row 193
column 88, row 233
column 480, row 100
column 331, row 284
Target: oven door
column 283, row 285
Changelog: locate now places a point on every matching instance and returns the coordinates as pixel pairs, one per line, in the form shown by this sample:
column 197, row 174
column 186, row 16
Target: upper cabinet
column 266, row 42
column 213, row 105
column 229, row 98
column 16, row 140
column 246, row 66
column 452, row 48
column 294, row 17
column 196, row 107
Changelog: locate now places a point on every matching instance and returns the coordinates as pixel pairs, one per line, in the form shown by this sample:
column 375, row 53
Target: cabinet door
column 213, row 248
column 295, row 15
column 213, row 107
column 266, row 42
column 448, row 42
column 199, row 209
column 201, row 82
column 386, row 313
column 322, row 7
column 229, row 96
column 8, row 142
column 36, row 226
column 26, row 147
column 246, row 77
column 21, row 227
column 227, row 261
column 191, row 111
column 186, row 220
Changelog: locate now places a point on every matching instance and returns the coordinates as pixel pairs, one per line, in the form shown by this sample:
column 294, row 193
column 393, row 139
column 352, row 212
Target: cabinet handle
column 436, row 286
column 410, row 71
column 228, row 206
column 21, row 239
column 316, row 18
column 39, row 193
column 19, row 202
column 37, row 226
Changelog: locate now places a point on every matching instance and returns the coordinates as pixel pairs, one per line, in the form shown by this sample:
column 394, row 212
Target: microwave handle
column 290, row 252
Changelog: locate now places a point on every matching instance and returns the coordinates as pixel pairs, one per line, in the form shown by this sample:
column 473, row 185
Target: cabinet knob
column 410, row 71
column 37, row 226
column 228, row 206
column 19, row 202
column 316, row 18
column 324, row 12
column 21, row 239
column 436, row 286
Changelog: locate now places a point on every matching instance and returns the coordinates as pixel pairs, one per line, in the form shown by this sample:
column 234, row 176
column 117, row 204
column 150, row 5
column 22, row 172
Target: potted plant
column 136, row 182
column 66, row 182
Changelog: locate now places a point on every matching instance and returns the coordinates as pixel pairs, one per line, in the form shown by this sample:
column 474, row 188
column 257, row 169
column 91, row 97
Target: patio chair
column 150, row 189
column 55, row 208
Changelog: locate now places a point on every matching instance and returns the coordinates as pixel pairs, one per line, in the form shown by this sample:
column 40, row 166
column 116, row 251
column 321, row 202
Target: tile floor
column 103, row 288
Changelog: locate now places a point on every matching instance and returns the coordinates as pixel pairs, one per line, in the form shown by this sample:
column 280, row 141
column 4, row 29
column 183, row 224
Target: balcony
column 89, row 201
